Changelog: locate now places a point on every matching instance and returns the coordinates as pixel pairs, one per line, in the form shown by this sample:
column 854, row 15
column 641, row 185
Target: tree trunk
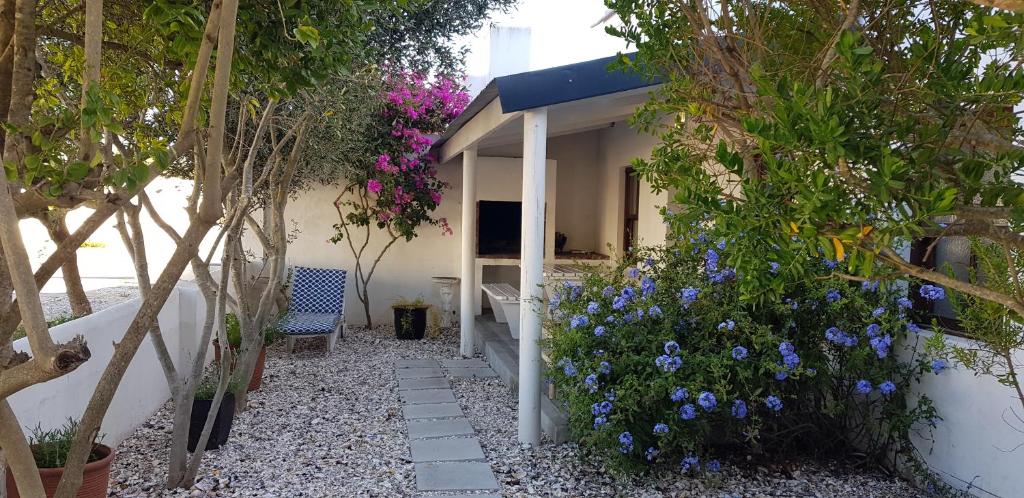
column 55, row 221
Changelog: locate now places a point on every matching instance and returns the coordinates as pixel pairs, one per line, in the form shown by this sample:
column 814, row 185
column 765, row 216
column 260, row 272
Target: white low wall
column 143, row 390
column 974, row 443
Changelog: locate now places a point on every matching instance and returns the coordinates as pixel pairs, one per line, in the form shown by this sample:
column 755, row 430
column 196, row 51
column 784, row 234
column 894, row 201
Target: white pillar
column 535, row 131
column 468, row 289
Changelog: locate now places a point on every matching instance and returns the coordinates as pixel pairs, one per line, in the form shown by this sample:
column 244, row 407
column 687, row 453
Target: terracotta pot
column 94, row 481
column 257, row 372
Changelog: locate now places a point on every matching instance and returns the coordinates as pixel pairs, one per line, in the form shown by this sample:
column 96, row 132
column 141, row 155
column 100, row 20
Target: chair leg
column 331, row 339
column 291, row 344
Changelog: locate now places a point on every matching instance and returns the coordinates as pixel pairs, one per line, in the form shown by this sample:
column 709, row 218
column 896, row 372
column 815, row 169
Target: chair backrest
column 318, row 290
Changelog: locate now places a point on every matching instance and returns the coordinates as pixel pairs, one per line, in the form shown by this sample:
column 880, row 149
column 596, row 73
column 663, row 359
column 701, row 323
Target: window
column 632, row 211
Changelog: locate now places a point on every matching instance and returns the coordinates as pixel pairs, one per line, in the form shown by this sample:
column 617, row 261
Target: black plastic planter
column 410, row 323
column 221, row 425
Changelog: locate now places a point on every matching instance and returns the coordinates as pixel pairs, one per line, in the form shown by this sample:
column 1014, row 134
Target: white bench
column 504, row 301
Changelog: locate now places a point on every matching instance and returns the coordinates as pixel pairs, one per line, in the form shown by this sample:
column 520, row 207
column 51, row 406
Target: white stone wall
column 144, row 388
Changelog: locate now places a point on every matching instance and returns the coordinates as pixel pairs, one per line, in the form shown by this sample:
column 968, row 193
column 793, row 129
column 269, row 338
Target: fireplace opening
column 499, row 229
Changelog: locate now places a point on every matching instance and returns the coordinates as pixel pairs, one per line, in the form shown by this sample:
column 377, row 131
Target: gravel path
column 332, row 426
column 56, row 304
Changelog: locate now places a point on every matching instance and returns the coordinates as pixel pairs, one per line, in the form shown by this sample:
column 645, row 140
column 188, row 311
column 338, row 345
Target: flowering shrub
column 661, row 360
column 397, row 189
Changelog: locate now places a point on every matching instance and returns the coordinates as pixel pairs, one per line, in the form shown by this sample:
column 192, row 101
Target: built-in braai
column 500, row 228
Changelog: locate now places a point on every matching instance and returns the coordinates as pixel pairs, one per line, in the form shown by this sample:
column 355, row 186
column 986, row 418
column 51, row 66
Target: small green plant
column 410, row 304
column 20, row 331
column 234, row 332
column 50, row 447
column 208, row 386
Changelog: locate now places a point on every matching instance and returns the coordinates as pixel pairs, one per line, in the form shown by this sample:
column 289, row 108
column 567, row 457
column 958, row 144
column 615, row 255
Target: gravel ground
column 56, row 304
column 325, row 426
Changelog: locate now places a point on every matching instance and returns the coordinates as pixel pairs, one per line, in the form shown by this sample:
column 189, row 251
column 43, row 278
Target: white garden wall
column 979, row 443
column 144, row 388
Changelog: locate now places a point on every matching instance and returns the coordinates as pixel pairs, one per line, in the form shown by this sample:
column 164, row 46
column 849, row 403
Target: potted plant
column 234, row 332
column 410, row 318
column 50, row 449
column 201, row 406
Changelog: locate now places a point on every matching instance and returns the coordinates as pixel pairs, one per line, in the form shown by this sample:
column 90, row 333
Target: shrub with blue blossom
column 695, row 356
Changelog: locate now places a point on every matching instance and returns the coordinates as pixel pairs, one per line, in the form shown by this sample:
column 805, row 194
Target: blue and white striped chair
column 317, row 305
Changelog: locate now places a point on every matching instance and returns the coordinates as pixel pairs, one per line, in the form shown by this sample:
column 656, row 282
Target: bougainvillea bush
column 661, row 361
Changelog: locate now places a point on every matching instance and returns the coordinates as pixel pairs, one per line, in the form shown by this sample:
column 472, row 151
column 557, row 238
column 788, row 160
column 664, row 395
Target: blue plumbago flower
column 688, row 296
column 598, row 352
column 578, row 321
column 574, row 290
column 629, row 317
column 862, row 387
column 671, row 347
column 619, row 303
column 689, row 463
column 554, row 300
column 654, row 312
column 837, row 336
column 711, row 261
column 599, row 421
column 786, row 347
column 633, row 272
column 727, row 325
column 649, row 262
column 833, row 295
column 904, row 303
column 604, row 368
column 668, row 363
column 608, row 291
column 869, row 286
column 739, row 409
column 933, row 292
column 651, row 454
column 688, row 412
column 625, row 442
column 592, row 383
column 739, row 353
column 647, row 286
column 609, row 319
column 773, row 403
column 639, row 313
column 773, row 267
column 720, row 245
column 707, row 401
column 830, row 264
column 606, row 407
column 713, row 466
column 593, row 307
column 781, row 375
column 599, row 330
column 679, row 394
column 881, row 345
column 702, row 237
column 567, row 367
column 791, row 360
column 628, row 293
column 660, row 428
column 939, row 365
column 877, row 312
column 873, row 330
column 887, row 387
column 913, row 328
column 609, row 395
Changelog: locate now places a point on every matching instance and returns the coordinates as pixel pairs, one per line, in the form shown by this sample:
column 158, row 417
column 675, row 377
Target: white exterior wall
column 143, row 390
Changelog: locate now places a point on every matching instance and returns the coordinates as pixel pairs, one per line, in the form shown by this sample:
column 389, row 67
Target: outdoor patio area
column 331, row 425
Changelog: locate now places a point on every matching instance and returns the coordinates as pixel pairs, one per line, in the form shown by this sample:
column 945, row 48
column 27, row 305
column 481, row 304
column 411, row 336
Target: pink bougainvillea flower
column 374, row 186
column 436, row 197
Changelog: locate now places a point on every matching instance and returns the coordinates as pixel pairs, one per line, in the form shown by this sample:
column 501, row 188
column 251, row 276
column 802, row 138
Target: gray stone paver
column 461, row 496
column 424, row 383
column 454, row 476
column 415, row 363
column 432, row 410
column 420, row 396
column 478, row 372
column 417, row 373
column 446, row 450
column 464, row 363
column 424, row 429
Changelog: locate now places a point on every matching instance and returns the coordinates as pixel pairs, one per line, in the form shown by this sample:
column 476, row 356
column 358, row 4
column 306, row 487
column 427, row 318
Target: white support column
column 468, row 290
column 535, row 131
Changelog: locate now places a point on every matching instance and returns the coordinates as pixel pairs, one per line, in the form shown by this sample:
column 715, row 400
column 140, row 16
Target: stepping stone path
column 446, row 454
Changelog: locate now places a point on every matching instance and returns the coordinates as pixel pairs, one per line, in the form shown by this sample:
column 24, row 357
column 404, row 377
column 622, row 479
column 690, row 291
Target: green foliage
column 234, row 332
column 50, row 447
column 207, row 387
column 53, row 322
column 687, row 297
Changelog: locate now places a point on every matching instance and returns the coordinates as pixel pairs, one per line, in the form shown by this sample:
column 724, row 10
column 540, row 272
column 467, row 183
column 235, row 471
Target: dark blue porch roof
column 545, row 87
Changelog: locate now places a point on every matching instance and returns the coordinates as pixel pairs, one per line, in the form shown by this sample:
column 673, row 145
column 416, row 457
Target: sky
column 560, row 33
